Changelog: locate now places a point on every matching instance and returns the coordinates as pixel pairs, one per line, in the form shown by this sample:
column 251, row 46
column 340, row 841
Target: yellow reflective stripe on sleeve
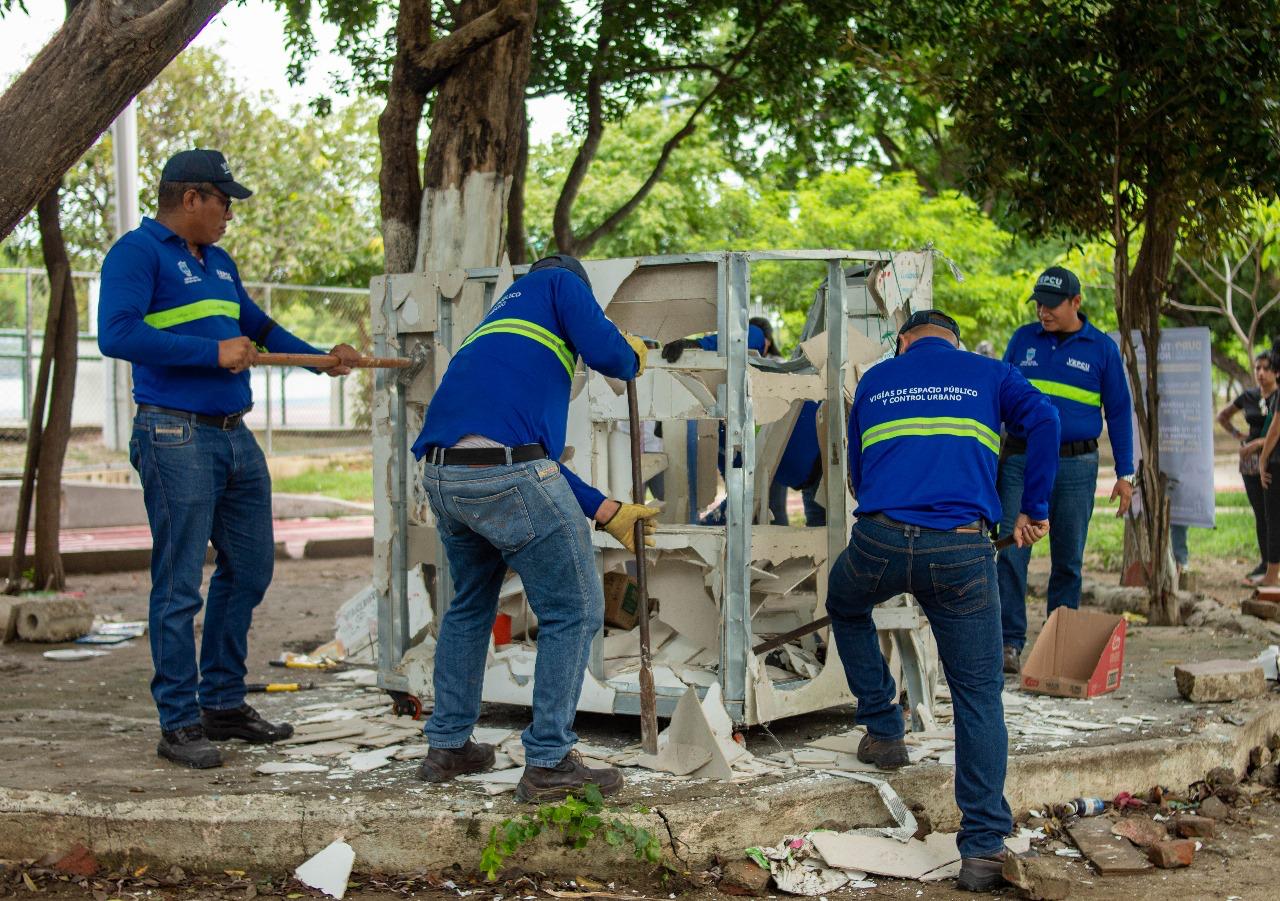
column 190, row 312
column 1070, row 392
column 932, row 425
column 526, row 329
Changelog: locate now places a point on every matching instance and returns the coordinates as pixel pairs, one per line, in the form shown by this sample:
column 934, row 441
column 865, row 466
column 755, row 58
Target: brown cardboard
column 620, row 601
column 1079, row 654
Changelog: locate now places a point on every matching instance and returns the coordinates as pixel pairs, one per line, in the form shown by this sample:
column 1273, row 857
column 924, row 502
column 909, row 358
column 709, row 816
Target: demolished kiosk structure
column 715, row 591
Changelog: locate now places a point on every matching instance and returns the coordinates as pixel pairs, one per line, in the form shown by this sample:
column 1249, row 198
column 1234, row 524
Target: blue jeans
column 1181, row 550
column 952, row 576
column 524, row 517
column 1070, row 507
column 202, row 484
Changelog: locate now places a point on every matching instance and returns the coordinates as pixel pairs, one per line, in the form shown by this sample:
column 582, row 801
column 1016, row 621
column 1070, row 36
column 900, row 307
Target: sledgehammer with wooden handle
column 328, row 361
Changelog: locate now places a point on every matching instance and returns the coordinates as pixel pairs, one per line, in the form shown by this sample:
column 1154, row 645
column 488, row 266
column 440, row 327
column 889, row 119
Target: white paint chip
column 329, row 870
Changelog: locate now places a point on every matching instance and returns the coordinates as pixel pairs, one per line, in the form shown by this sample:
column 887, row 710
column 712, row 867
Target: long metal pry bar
column 648, row 696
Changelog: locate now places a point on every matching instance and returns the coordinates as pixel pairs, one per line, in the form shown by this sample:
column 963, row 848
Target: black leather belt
column 977, row 525
column 1066, row 449
column 485, row 456
column 226, row 423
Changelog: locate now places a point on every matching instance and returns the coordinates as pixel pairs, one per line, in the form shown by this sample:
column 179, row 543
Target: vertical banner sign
column 1186, row 421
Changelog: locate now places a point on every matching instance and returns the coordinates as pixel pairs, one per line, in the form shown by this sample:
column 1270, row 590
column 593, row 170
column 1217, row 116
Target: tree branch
column 433, row 62
column 561, row 222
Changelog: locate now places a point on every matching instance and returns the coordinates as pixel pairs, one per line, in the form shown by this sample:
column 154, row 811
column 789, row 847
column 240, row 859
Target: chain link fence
column 295, row 411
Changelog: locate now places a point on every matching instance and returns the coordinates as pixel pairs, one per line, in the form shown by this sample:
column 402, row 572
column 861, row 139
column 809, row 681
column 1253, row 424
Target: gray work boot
column 442, row 764
column 886, row 753
column 568, row 777
column 1012, row 660
column 982, row 874
column 189, row 746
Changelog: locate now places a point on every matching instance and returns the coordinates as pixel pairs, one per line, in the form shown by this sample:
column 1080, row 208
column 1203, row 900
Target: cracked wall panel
column 607, row 275
column 666, row 302
column 660, row 394
column 829, row 689
column 771, row 444
column 906, row 281
column 680, row 589
column 773, row 394
column 776, row 544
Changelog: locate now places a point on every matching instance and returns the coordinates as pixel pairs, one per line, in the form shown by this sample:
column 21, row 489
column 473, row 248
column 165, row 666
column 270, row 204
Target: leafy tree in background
column 1142, row 122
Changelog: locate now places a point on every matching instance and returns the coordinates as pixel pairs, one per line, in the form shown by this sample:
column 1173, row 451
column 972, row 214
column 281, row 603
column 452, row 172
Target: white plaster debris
column 329, row 870
column 73, row 654
column 372, row 760
column 281, row 767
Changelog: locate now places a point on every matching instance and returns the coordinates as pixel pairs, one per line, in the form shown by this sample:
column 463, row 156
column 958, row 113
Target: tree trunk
column 401, row 186
column 1139, row 296
column 105, row 53
column 57, row 429
column 474, row 149
column 516, row 237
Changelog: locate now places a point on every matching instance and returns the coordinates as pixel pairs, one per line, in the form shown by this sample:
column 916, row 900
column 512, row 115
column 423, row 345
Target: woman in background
column 1256, row 446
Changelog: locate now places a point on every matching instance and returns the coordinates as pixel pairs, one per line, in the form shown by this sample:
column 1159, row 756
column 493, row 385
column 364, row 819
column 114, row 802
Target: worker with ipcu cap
column 491, row 442
column 924, row 440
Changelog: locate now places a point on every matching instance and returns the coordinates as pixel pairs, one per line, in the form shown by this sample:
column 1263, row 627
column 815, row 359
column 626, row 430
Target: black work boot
column 190, row 747
column 568, row 777
column 244, row 723
column 442, row 764
column 1012, row 660
column 981, row 874
column 886, row 753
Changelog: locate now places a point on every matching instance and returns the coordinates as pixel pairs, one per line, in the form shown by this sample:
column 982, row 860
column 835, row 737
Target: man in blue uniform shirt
column 1079, row 369
column 494, row 432
column 172, row 304
column 923, row 444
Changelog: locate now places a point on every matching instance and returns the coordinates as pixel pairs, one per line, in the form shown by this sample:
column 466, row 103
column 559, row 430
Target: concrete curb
column 272, row 832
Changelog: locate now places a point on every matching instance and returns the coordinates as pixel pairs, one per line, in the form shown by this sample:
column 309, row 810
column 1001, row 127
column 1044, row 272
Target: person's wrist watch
column 1132, row 479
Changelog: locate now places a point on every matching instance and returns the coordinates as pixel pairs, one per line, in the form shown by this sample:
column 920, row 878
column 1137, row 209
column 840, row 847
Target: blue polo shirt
column 924, row 437
column 755, row 340
column 165, row 311
column 510, row 379
column 1083, row 376
column 801, row 453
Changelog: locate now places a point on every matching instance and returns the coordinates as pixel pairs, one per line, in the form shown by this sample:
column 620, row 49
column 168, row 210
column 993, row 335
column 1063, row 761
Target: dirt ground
column 88, row 728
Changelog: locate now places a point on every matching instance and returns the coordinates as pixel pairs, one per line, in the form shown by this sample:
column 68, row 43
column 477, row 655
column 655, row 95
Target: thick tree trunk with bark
column 400, row 184
column 105, row 53
column 516, row 236
column 474, row 148
column 1139, row 298
column 57, row 429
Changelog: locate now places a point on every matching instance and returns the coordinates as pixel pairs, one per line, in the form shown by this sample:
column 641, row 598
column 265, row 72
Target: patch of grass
column 1233, row 538
column 344, row 483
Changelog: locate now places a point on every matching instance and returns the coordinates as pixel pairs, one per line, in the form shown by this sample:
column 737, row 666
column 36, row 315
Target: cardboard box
column 620, row 601
column 1079, row 654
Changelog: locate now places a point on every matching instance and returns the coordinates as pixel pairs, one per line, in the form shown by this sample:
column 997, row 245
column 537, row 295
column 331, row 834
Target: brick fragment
column 1170, row 855
column 1191, row 826
column 1220, row 680
column 1141, row 830
column 743, row 877
column 79, row 861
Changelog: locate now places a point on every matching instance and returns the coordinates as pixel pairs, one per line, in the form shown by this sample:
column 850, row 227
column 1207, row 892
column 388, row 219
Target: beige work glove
column 622, row 524
column 642, row 351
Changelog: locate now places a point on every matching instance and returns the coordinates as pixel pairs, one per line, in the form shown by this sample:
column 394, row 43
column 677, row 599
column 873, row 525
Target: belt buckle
column 230, row 421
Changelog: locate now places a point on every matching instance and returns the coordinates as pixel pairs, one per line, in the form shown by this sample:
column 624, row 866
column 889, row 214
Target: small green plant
column 579, row 821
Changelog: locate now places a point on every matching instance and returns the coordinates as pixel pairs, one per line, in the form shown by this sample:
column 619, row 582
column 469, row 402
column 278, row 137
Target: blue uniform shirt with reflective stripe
column 165, row 311
column 1083, row 376
column 509, row 380
column 924, row 437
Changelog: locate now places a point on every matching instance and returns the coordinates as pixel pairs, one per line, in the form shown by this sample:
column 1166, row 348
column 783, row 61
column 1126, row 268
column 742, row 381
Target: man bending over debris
column 492, row 436
column 923, row 528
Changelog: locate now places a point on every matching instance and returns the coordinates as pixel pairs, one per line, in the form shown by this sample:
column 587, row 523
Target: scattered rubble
column 54, row 618
column 1040, row 879
column 1179, row 852
column 328, row 870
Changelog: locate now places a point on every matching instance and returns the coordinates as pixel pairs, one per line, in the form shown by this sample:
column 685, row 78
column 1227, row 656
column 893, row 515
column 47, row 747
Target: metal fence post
column 26, row 353
column 266, row 308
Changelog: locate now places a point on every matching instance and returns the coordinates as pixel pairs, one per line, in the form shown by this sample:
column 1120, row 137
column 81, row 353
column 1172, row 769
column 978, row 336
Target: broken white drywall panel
column 886, row 856
column 660, row 394
column 666, row 302
column 774, row 393
column 721, row 725
column 328, row 870
column 776, row 544
column 675, row 758
column 502, row 687
column 689, row 726
column 771, row 444
column 680, row 589
column 907, row 280
column 608, row 275
column 769, row 703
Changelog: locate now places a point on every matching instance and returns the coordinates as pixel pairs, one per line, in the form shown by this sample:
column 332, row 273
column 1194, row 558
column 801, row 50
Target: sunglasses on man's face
column 221, row 198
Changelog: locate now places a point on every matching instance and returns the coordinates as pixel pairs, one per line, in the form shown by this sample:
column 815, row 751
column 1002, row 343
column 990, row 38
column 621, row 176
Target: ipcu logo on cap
column 226, row 167
column 1051, row 281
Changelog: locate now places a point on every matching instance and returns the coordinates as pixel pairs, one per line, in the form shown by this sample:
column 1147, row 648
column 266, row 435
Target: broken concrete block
column 1141, row 830
column 79, row 861
column 1261, row 609
column 1214, row 809
column 1170, row 855
column 1220, row 680
column 1266, row 775
column 1040, row 879
column 1259, row 756
column 54, row 619
column 8, row 618
column 743, row 877
column 1191, row 826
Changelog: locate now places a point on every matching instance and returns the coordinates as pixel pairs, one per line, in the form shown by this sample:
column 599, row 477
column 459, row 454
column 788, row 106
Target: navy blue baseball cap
column 1054, row 286
column 929, row 317
column 562, row 261
column 204, row 166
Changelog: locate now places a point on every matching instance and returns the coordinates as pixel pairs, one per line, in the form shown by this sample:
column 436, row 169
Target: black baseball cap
column 204, row 166
column 1054, row 286
column 930, row 317
column 562, row 261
